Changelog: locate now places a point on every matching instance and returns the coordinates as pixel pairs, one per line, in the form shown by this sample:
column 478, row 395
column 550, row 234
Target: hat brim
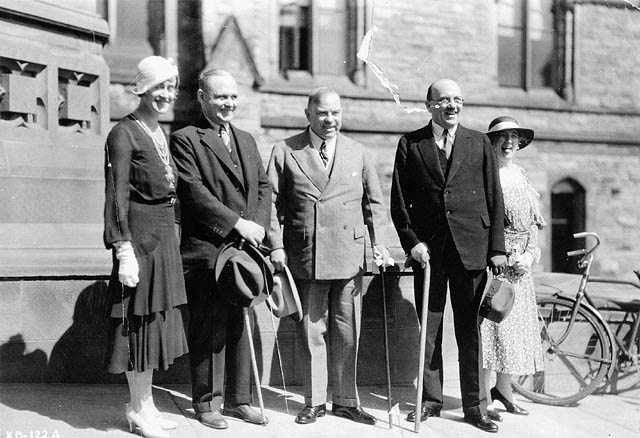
column 226, row 253
column 526, row 136
column 169, row 74
column 288, row 304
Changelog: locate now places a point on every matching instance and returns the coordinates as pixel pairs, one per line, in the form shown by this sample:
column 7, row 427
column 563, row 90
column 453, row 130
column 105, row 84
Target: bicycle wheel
column 574, row 368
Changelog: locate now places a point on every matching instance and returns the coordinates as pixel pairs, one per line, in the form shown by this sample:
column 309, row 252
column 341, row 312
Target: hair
column 203, row 80
column 316, row 94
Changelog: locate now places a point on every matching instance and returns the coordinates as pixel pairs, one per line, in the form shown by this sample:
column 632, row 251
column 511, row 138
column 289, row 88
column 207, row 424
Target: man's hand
column 497, row 263
column 250, row 231
column 420, row 253
column 278, row 259
column 381, row 256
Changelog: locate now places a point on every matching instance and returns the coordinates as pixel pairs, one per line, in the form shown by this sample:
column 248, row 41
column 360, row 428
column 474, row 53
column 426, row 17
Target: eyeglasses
column 458, row 100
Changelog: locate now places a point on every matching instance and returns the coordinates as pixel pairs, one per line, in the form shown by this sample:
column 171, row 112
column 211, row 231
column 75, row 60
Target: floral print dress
column 513, row 346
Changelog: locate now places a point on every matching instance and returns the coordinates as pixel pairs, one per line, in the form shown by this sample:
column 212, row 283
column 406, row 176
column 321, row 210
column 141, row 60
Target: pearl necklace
column 160, row 143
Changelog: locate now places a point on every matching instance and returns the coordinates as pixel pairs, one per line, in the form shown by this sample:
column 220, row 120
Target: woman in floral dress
column 513, row 347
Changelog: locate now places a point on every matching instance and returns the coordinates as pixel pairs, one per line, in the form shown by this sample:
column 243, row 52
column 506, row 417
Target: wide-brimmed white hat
column 506, row 122
column 153, row 70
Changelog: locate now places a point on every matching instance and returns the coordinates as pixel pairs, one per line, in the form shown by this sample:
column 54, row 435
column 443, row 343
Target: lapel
column 309, row 162
column 210, row 139
column 429, row 152
column 245, row 151
column 461, row 149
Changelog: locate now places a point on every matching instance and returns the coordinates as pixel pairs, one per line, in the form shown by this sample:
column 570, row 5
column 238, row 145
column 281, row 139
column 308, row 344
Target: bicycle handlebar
column 585, row 252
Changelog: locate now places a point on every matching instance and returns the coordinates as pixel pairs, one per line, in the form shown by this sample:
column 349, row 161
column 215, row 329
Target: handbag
column 497, row 300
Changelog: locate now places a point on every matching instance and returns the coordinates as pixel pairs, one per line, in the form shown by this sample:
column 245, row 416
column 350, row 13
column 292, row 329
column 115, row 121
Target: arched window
column 567, row 218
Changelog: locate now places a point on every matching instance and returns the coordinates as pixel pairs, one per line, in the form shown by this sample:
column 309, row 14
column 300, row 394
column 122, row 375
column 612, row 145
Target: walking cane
column 386, row 347
column 254, row 363
column 423, row 341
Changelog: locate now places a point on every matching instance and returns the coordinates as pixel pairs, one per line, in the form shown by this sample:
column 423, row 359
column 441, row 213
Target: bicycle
column 580, row 349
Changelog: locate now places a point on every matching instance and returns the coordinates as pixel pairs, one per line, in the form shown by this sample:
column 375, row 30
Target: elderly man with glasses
column 446, row 205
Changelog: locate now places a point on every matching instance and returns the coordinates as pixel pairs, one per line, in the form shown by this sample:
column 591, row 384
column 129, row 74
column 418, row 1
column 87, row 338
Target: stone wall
column 54, row 116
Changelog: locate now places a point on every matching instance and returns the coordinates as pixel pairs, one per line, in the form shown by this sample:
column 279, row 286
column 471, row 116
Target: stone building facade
column 566, row 68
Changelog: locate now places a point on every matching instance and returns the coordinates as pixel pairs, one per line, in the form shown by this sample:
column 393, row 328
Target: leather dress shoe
column 510, row 407
column 208, row 416
column 493, row 415
column 482, row 422
column 309, row 414
column 355, row 413
column 425, row 412
column 245, row 413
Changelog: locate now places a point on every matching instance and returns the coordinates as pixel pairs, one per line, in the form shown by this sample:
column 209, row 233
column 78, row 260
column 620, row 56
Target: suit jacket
column 469, row 202
column 212, row 194
column 319, row 217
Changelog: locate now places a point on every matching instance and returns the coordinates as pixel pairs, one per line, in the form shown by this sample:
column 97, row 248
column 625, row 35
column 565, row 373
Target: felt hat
column 153, row 70
column 284, row 299
column 506, row 122
column 243, row 275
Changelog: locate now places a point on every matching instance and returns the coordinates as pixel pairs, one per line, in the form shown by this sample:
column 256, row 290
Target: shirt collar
column 438, row 130
column 216, row 126
column 316, row 140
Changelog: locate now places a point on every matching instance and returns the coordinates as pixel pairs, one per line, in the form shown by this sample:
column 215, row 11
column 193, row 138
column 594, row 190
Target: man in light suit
column 224, row 195
column 326, row 194
column 446, row 205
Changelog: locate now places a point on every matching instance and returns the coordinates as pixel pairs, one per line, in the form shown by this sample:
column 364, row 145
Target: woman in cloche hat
column 146, row 286
column 513, row 346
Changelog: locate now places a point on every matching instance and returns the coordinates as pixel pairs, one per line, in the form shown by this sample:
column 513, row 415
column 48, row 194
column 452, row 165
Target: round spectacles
column 458, row 100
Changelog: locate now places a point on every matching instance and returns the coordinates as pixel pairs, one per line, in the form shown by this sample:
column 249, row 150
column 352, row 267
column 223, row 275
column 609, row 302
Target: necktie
column 323, row 154
column 446, row 144
column 224, row 135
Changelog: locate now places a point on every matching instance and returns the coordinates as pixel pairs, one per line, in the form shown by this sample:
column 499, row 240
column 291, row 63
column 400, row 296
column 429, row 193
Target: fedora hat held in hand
column 284, row 299
column 497, row 300
column 243, row 275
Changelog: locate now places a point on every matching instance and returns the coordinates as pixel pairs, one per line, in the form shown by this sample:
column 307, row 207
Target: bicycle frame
column 634, row 332
column 583, row 299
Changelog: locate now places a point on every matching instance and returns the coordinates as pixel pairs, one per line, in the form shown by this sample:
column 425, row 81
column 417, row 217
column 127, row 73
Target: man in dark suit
column 446, row 205
column 326, row 195
column 224, row 195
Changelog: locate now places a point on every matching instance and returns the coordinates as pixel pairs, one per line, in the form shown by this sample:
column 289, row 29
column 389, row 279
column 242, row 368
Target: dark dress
column 148, row 331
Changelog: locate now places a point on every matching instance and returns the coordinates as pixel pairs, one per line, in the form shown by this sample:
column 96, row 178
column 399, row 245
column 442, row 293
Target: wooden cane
column 386, row 347
column 423, row 343
column 254, row 363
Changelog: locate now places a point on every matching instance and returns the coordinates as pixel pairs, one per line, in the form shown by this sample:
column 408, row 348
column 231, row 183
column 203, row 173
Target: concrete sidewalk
column 70, row 411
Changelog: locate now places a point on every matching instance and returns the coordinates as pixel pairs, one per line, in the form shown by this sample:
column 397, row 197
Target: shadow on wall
column 18, row 366
column 79, row 354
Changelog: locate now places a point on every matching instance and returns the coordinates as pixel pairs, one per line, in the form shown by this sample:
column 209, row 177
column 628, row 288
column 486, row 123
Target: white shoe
column 137, row 422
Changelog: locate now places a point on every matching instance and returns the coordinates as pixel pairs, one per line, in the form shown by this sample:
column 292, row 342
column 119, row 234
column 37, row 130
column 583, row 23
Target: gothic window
column 530, row 44
column 567, row 217
column 321, row 38
column 295, row 42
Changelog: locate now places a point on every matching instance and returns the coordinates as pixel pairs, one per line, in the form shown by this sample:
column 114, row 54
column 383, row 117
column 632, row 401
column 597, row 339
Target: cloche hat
column 153, row 70
column 506, row 122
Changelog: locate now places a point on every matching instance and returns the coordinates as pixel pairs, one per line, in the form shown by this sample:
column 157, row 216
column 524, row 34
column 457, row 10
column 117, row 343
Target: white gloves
column 128, row 270
column 381, row 256
column 420, row 253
